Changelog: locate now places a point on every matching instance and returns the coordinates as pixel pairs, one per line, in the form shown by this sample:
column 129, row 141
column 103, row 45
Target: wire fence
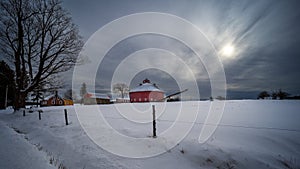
column 219, row 125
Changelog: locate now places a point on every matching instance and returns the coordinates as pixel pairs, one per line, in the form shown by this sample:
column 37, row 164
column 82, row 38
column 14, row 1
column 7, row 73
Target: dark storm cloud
column 264, row 33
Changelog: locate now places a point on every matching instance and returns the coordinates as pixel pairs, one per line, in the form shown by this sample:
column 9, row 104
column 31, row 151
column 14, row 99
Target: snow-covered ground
column 251, row 134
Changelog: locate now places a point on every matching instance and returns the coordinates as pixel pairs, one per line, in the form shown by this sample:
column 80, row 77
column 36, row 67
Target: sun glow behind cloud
column 228, row 51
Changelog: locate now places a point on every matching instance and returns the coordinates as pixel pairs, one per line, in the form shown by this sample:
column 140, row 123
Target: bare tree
column 280, row 95
column 121, row 89
column 70, row 94
column 40, row 40
column 263, row 95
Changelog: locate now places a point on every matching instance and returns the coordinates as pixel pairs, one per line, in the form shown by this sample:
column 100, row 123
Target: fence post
column 154, row 122
column 40, row 117
column 23, row 112
column 66, row 117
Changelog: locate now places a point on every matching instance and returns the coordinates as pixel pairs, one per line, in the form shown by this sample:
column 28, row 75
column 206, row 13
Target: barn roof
column 146, row 86
column 96, row 95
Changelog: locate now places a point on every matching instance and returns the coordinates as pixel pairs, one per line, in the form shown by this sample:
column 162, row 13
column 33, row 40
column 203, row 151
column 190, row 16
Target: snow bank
column 17, row 153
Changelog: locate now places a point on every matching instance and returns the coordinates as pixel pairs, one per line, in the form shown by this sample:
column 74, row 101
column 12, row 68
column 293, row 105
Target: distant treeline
column 277, row 95
column 293, row 98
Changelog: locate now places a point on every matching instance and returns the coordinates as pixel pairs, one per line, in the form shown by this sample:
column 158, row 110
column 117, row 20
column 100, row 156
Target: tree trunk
column 19, row 100
column 122, row 94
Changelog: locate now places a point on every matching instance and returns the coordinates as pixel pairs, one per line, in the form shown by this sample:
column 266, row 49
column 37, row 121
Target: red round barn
column 146, row 92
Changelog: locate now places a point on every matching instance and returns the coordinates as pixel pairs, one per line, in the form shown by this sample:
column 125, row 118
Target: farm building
column 146, row 92
column 114, row 98
column 55, row 100
column 122, row 100
column 96, row 98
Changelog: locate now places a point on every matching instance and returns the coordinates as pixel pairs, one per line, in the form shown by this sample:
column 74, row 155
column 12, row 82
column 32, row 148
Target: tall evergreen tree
column 83, row 91
column 7, row 85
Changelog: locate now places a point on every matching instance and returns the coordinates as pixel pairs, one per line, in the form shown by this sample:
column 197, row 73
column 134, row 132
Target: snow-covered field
column 251, row 134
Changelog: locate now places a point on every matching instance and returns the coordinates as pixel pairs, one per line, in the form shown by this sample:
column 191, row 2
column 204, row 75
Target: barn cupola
column 146, row 81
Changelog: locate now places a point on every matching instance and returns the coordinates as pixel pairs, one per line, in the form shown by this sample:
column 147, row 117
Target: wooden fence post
column 23, row 112
column 154, row 122
column 40, row 117
column 66, row 117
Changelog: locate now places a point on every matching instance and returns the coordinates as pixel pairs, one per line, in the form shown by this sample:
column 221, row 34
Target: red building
column 55, row 100
column 146, row 92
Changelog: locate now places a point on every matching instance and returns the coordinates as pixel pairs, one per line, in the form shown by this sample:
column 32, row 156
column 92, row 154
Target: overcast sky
column 264, row 36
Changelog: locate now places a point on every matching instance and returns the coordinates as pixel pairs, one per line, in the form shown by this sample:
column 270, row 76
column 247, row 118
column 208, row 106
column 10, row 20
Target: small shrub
column 208, row 160
column 61, row 166
column 182, row 151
